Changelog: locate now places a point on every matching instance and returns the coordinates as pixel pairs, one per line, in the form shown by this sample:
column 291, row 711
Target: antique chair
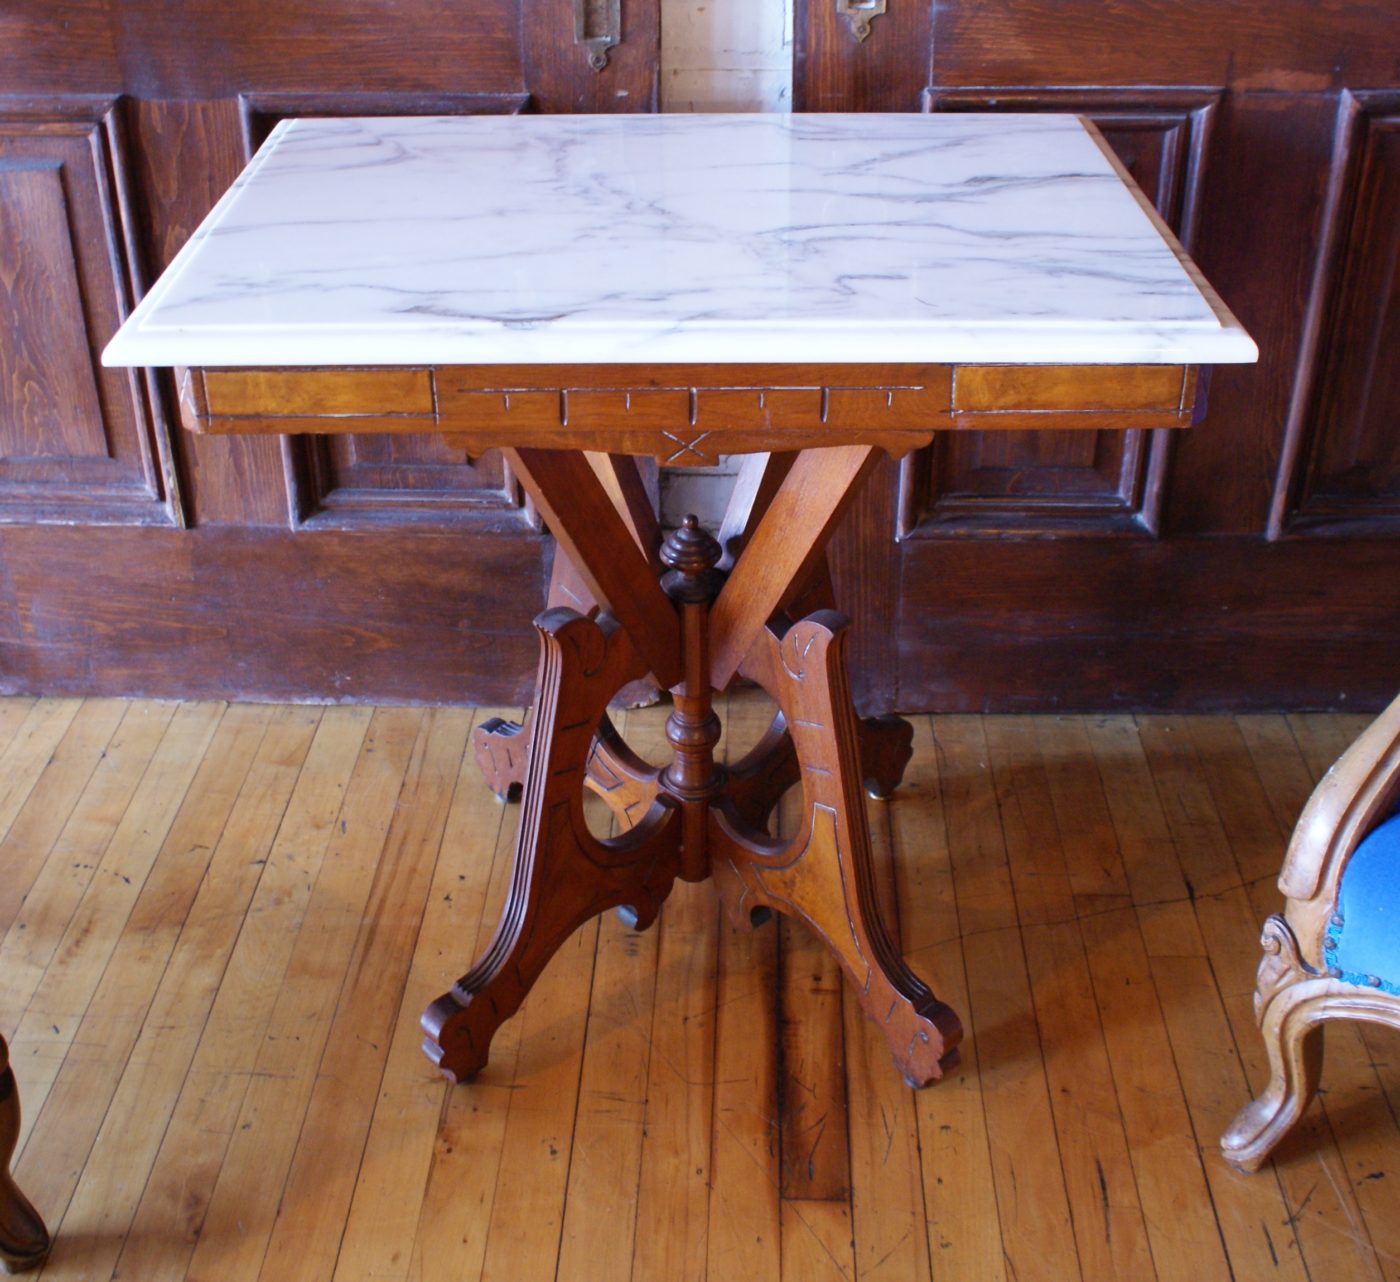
column 1334, row 952
column 24, row 1243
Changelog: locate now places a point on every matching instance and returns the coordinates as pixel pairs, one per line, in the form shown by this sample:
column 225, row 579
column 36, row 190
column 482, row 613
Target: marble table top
column 678, row 238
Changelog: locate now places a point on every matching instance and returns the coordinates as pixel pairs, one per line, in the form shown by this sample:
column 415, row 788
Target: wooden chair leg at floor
column 563, row 875
column 24, row 1241
column 1293, row 1003
column 825, row 876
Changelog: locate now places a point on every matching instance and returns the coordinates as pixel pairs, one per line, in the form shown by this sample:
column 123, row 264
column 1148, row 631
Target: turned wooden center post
column 690, row 554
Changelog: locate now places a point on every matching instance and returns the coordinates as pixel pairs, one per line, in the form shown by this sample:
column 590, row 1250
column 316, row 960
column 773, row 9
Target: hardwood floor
column 219, row 925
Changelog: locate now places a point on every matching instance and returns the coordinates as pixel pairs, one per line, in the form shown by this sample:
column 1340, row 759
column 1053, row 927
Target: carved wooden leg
column 24, row 1241
column 617, row 774
column 886, row 748
column 563, row 875
column 1291, row 1002
column 758, row 781
column 502, row 751
column 628, row 784
column 825, row 876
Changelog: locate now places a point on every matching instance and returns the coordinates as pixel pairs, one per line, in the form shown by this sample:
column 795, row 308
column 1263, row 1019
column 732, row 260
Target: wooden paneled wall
column 136, row 558
column 1254, row 560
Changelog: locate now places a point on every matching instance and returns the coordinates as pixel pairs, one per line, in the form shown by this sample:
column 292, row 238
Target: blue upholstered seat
column 1363, row 936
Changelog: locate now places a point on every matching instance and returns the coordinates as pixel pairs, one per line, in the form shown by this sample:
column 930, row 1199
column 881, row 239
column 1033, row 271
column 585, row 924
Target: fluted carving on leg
column 825, row 876
column 563, row 875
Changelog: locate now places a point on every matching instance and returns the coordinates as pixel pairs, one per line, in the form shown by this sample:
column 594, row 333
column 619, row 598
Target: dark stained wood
column 1345, row 474
column 782, row 553
column 1293, row 45
column 598, row 541
column 122, row 124
column 563, row 875
column 1209, row 624
column 183, row 157
column 327, row 615
column 691, row 819
column 77, row 442
column 24, row 1241
column 1266, row 141
column 824, row 875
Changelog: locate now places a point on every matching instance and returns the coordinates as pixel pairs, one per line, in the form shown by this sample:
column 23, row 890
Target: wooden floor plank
column 385, row 1214
column 1033, row 1212
column 1099, row 1178
column 65, row 1129
column 76, row 859
column 194, row 1157
column 1039, row 876
column 1097, row 874
column 98, row 1224
column 817, row 1243
column 27, row 754
column 600, row 1212
column 1172, row 1188
column 600, row 1200
column 960, row 1206
column 1202, row 846
column 981, row 874
column 455, row 1213
column 306, row 1237
column 39, row 821
column 61, row 999
column 14, row 708
column 343, row 836
column 527, row 1206
column 1140, row 827
column 236, row 1089
column 744, row 1234
column 1257, row 838
column 1251, row 1210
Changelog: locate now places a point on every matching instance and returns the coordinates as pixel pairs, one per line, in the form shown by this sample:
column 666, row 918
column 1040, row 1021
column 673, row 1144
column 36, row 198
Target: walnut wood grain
column 783, row 550
column 24, row 1241
column 563, row 875
column 598, row 541
column 825, row 876
column 710, row 411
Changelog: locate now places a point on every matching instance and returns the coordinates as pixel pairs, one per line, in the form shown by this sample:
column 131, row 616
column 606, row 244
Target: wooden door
column 136, row 558
column 1254, row 560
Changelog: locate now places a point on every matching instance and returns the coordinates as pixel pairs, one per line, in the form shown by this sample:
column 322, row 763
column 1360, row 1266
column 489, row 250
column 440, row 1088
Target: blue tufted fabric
column 1363, row 937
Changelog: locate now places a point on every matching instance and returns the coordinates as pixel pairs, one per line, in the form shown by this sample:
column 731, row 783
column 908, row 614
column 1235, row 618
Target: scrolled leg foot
column 825, row 875
column 563, row 875
column 24, row 1241
column 501, row 749
column 886, row 748
column 1290, row 1002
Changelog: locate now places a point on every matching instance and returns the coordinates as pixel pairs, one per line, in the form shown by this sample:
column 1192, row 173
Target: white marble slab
column 636, row 238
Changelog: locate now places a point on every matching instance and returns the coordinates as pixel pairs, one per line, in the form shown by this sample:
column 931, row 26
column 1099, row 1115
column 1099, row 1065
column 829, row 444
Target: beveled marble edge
column 727, row 346
column 593, row 339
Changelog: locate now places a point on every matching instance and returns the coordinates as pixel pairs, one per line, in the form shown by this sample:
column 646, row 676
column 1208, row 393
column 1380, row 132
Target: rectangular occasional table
column 580, row 291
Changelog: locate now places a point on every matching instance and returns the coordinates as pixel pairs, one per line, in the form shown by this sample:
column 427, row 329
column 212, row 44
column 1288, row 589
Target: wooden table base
column 24, row 1241
column 693, row 818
